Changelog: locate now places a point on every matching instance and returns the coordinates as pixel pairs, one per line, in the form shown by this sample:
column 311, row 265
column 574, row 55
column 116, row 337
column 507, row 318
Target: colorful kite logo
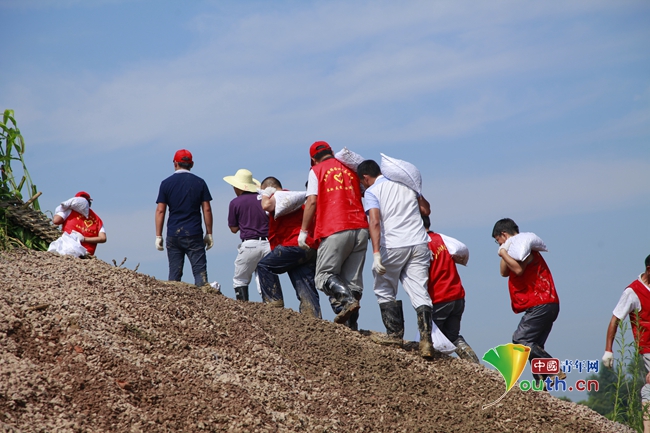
column 509, row 360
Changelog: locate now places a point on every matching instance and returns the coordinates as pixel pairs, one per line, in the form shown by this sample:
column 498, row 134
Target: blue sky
column 538, row 111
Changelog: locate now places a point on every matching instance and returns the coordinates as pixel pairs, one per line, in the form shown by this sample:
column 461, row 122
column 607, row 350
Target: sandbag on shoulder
column 401, row 171
column 520, row 245
column 287, row 202
column 458, row 250
column 349, row 158
column 78, row 204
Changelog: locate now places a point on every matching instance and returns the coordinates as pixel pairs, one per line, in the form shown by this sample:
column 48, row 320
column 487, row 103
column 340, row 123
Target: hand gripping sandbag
column 67, row 245
column 349, row 158
column 457, row 249
column 520, row 245
column 287, row 202
column 402, row 172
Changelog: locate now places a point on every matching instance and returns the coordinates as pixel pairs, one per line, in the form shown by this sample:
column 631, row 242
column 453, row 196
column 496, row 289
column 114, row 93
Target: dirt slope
column 86, row 346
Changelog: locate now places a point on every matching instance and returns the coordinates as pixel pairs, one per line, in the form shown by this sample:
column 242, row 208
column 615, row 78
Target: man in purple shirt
column 246, row 216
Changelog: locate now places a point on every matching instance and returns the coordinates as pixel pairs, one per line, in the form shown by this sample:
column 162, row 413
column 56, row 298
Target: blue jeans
column 192, row 246
column 301, row 267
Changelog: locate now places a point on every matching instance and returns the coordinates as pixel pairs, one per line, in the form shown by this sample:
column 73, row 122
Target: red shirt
column 338, row 203
column 642, row 319
column 284, row 230
column 444, row 281
column 534, row 287
column 88, row 227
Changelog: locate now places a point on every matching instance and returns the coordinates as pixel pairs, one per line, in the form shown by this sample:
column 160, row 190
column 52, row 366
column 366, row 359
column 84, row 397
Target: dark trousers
column 300, row 265
column 447, row 315
column 534, row 328
column 193, row 247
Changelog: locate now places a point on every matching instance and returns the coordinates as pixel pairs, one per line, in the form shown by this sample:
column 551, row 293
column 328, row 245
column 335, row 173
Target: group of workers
column 322, row 247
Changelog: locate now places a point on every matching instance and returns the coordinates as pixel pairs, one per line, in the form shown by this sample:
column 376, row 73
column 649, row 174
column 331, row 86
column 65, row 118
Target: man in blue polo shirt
column 186, row 195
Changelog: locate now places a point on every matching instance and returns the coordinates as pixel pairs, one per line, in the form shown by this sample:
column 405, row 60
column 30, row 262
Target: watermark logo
column 509, row 360
column 545, row 365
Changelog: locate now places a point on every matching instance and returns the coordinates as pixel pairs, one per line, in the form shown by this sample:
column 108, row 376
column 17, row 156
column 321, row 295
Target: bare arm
column 268, row 203
column 99, row 239
column 611, row 333
column 207, row 216
column 161, row 210
column 425, row 207
column 57, row 220
column 310, row 211
column 374, row 226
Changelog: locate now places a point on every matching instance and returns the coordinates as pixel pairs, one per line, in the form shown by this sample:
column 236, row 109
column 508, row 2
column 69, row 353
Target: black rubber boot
column 241, row 293
column 338, row 289
column 464, row 351
column 392, row 315
column 425, row 313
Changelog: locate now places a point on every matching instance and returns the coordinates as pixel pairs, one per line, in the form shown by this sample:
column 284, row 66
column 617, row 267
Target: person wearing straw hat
column 246, row 217
column 334, row 199
column 71, row 216
column 186, row 195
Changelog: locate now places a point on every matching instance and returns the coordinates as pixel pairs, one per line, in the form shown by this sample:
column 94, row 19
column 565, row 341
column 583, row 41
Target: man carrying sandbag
column 446, row 289
column 334, row 198
column 400, row 253
column 532, row 290
column 75, row 215
column 286, row 255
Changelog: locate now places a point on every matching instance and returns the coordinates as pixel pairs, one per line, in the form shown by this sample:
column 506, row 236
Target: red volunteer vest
column 444, row 281
column 285, row 230
column 338, row 203
column 642, row 319
column 88, row 227
column 534, row 287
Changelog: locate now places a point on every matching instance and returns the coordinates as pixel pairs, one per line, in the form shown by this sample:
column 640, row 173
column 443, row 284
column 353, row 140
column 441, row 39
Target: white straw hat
column 243, row 180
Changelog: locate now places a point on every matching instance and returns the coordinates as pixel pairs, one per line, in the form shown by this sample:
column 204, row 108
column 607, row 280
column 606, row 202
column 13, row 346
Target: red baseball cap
column 317, row 147
column 83, row 194
column 183, row 155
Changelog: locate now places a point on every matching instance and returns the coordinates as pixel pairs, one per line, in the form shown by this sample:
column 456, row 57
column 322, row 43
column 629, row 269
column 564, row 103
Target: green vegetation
column 12, row 191
column 619, row 395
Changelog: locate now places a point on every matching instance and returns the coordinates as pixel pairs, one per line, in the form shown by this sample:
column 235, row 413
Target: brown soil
column 86, row 346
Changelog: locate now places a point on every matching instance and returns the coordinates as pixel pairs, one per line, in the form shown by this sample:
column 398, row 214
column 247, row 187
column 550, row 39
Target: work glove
column 207, row 240
column 302, row 240
column 376, row 263
column 608, row 359
column 78, row 236
column 505, row 245
column 159, row 243
column 268, row 192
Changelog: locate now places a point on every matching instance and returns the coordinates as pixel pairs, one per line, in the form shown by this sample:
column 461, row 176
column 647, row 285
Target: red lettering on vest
column 338, row 204
column 641, row 321
column 444, row 281
column 534, row 287
column 88, row 227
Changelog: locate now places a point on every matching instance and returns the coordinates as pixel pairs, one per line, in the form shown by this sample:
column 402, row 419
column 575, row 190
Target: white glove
column 78, row 236
column 207, row 240
column 159, row 243
column 302, row 240
column 269, row 191
column 608, row 359
column 376, row 263
column 505, row 245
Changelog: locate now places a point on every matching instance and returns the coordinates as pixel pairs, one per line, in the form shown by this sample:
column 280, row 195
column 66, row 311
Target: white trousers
column 249, row 254
column 408, row 265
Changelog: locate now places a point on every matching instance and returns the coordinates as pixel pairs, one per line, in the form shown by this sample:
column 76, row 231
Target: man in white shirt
column 400, row 252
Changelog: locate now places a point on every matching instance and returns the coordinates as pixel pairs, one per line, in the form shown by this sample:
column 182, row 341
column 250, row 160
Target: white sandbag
column 67, row 245
column 402, row 172
column 520, row 245
column 349, row 158
column 458, row 250
column 440, row 342
column 287, row 202
column 78, row 204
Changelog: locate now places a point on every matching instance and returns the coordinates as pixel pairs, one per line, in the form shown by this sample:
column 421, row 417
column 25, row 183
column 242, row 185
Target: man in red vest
column 90, row 227
column 532, row 292
column 635, row 302
column 334, row 197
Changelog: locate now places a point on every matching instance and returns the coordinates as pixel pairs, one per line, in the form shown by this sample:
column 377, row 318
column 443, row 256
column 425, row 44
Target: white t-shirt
column 401, row 222
column 628, row 302
column 312, row 184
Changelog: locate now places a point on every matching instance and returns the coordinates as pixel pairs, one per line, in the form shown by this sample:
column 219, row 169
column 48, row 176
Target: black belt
column 261, row 238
